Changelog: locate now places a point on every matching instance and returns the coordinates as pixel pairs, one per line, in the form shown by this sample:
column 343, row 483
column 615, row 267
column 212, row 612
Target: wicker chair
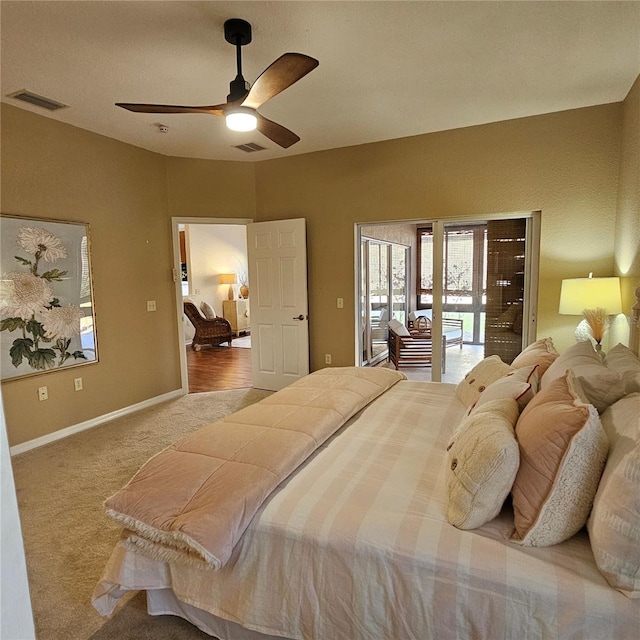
column 208, row 332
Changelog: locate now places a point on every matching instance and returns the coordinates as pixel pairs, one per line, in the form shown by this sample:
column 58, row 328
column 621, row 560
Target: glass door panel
column 383, row 294
column 506, row 241
column 483, row 286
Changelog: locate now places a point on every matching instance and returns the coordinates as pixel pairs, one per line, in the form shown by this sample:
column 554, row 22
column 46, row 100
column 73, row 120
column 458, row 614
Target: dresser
column 237, row 313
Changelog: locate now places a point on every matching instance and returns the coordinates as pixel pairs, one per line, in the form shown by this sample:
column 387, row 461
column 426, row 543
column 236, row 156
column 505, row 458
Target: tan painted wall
column 627, row 238
column 565, row 164
column 210, row 188
column 127, row 195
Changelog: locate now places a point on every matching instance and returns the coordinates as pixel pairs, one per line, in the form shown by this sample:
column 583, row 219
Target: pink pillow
column 542, row 352
column 563, row 449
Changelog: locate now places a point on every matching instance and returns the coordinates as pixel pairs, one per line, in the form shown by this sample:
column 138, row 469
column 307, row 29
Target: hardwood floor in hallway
column 218, row 368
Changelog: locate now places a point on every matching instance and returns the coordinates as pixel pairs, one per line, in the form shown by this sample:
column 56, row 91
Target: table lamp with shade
column 230, row 279
column 596, row 299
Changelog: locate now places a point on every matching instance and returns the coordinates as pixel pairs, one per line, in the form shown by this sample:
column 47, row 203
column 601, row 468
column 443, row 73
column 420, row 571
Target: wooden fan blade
column 286, row 70
column 276, row 132
column 216, row 110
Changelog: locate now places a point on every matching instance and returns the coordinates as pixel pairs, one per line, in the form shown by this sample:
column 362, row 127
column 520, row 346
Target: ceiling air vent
column 38, row 101
column 250, row 147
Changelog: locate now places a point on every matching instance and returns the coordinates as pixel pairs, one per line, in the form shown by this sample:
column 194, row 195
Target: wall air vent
column 250, row 147
column 38, row 101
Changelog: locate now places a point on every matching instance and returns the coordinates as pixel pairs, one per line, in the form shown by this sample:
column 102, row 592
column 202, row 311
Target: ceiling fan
column 240, row 109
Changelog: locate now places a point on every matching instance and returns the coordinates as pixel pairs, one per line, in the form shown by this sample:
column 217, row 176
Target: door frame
column 532, row 264
column 177, row 281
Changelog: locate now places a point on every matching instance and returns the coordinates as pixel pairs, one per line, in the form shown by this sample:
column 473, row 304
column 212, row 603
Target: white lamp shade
column 241, row 119
column 578, row 294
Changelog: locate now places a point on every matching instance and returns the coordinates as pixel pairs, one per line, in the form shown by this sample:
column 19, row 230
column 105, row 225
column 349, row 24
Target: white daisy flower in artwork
column 62, row 322
column 24, row 295
column 37, row 239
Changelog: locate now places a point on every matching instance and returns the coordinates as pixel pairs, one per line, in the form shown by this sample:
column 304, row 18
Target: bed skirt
column 162, row 602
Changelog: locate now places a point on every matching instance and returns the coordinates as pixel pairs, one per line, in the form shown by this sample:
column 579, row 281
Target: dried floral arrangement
column 597, row 320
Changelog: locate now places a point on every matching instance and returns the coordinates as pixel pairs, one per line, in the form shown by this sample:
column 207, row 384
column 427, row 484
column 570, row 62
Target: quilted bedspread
column 193, row 501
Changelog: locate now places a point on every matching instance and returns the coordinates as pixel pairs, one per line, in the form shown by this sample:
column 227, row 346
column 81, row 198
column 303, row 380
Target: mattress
column 355, row 545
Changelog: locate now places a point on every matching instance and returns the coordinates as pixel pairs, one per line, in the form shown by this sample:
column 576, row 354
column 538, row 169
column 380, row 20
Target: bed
column 356, row 543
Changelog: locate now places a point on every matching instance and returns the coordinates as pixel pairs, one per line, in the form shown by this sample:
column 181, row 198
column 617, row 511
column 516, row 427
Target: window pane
column 458, row 266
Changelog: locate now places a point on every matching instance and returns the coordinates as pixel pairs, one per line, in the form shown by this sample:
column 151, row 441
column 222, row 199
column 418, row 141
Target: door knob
column 300, row 317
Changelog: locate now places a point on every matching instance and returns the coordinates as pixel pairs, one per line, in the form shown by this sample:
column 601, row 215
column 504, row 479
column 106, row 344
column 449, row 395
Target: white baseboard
column 94, row 422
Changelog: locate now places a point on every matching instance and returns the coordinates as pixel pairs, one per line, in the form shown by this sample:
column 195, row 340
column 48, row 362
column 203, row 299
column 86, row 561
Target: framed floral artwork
column 47, row 318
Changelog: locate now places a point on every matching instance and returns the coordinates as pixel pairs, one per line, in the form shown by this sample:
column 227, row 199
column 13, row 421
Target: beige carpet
column 68, row 539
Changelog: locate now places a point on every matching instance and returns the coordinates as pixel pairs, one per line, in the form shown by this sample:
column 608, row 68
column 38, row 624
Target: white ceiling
column 387, row 69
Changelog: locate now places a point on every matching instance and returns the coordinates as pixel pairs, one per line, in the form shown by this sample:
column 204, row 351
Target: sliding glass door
column 383, row 294
column 479, row 272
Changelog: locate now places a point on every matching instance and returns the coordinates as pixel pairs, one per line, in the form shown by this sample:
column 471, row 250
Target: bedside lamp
column 230, row 279
column 596, row 299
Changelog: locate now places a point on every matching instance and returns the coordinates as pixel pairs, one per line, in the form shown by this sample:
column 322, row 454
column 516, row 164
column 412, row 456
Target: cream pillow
column 521, row 385
column 563, row 449
column 398, row 328
column 600, row 385
column 483, row 461
column 479, row 378
column 207, row 310
column 622, row 360
column 614, row 524
column 542, row 352
column 581, row 357
column 603, row 389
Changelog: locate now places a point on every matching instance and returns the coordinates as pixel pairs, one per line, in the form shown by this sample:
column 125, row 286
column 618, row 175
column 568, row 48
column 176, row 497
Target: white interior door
column 277, row 253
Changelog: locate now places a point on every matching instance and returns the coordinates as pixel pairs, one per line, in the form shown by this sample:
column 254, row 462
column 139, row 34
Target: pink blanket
column 193, row 501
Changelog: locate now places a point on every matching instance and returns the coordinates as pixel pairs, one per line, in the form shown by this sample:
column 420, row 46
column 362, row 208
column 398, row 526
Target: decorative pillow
column 602, row 390
column 398, row 328
column 600, row 385
column 480, row 377
column 207, row 310
column 581, row 357
column 624, row 361
column 614, row 524
column 483, row 462
column 563, row 449
column 521, row 385
column 542, row 352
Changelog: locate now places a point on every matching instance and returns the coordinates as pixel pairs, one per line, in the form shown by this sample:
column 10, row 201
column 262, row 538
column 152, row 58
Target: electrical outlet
column 340, row 303
column 43, row 393
column 77, row 384
column 327, row 358
column 151, row 305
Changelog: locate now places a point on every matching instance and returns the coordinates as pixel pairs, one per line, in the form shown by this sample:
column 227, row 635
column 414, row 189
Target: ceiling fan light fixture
column 241, row 119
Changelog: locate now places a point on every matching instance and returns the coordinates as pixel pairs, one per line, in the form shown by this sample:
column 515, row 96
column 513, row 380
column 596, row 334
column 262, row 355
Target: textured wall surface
column 563, row 164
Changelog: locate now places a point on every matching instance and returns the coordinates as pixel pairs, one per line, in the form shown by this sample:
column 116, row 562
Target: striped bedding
column 355, row 546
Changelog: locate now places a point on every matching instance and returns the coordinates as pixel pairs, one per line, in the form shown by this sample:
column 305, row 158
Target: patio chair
column 452, row 328
column 212, row 332
column 412, row 348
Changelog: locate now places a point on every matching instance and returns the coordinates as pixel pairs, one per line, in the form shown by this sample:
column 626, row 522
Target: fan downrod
column 238, row 33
